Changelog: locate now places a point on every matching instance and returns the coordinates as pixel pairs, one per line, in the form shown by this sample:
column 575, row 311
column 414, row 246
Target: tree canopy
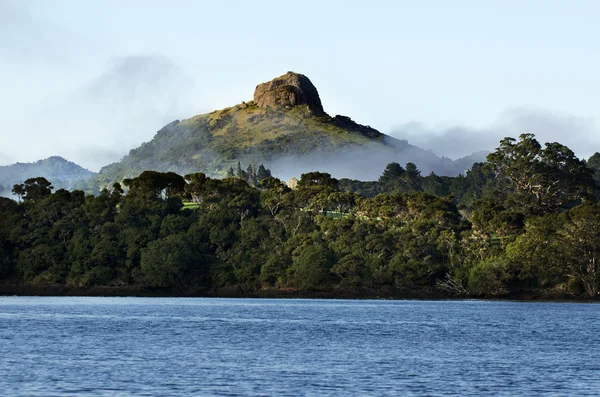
column 526, row 220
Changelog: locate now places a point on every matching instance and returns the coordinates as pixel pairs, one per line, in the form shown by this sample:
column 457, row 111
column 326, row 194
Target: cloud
column 578, row 133
column 96, row 155
column 25, row 38
column 124, row 106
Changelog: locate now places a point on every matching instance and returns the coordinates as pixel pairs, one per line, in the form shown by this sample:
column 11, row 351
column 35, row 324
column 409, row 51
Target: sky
column 91, row 80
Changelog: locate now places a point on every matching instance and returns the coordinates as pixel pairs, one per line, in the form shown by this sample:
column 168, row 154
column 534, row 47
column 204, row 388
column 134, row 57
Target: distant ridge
column 465, row 163
column 61, row 172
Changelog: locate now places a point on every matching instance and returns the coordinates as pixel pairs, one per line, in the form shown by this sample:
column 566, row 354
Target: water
column 251, row 347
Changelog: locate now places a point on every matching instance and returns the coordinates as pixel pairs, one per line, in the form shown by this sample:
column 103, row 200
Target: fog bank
column 580, row 134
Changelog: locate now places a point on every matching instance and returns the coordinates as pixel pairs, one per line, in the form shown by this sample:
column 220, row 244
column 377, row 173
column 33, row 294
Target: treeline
column 526, row 220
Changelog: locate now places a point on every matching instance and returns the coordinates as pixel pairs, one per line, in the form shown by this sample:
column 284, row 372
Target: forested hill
column 62, row 173
column 284, row 127
column 527, row 221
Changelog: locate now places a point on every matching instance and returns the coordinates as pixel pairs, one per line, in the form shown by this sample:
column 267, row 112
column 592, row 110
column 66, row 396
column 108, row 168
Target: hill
column 286, row 128
column 61, row 172
column 465, row 163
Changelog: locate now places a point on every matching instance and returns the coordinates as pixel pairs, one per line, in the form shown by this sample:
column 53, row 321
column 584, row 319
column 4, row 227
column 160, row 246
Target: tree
column 383, row 206
column 33, row 189
column 251, row 175
column 262, row 173
column 436, row 185
column 167, row 261
column 489, row 276
column 19, row 191
column 313, row 190
column 559, row 247
column 392, row 172
column 341, row 202
column 469, row 188
column 311, row 264
column 240, row 173
column 351, row 269
column 579, row 244
column 540, row 180
column 593, row 164
column 517, row 162
column 533, row 253
column 566, row 179
column 274, row 195
column 198, row 187
column 494, row 217
column 412, row 177
column 244, row 199
column 9, row 218
column 117, row 193
column 317, row 179
column 152, row 184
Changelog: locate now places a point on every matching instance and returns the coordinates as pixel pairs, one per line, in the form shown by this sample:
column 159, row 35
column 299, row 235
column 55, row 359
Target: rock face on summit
column 291, row 89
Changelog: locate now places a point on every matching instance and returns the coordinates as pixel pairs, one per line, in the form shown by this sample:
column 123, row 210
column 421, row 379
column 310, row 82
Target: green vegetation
column 215, row 142
column 526, row 220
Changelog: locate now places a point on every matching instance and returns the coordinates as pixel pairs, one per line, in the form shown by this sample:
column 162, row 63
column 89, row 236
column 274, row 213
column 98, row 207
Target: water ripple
column 238, row 347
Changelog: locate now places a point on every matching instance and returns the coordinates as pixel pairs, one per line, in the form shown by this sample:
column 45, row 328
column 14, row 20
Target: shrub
column 489, row 276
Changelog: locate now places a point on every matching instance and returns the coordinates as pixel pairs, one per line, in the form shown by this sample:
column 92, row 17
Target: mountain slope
column 61, row 172
column 465, row 163
column 284, row 127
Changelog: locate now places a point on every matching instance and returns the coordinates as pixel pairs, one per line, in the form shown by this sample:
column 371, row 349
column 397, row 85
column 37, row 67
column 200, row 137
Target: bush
column 310, row 268
column 100, row 275
column 489, row 276
column 165, row 262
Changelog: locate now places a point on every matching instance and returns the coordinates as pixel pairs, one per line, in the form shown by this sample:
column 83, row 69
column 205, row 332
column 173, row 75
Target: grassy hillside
column 215, row 141
column 289, row 132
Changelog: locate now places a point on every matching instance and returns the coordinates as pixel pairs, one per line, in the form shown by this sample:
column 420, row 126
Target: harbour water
column 70, row 346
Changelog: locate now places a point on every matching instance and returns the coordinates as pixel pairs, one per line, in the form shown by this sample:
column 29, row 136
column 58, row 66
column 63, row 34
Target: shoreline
column 61, row 290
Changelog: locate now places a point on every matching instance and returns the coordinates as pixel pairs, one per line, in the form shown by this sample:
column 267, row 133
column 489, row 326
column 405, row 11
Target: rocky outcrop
column 347, row 123
column 291, row 89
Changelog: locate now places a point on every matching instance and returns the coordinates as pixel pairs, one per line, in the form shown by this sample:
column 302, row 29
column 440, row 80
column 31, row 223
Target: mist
column 90, row 107
column 118, row 110
column 434, row 149
column 38, row 39
column 365, row 163
column 92, row 80
column 580, row 134
column 5, row 159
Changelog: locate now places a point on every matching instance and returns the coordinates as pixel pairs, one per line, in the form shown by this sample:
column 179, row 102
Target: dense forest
column 528, row 219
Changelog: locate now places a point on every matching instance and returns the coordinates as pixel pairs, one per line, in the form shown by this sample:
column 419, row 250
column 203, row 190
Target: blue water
column 246, row 347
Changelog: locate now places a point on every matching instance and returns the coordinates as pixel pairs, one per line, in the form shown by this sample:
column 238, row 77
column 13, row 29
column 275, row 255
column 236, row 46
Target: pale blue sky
column 90, row 80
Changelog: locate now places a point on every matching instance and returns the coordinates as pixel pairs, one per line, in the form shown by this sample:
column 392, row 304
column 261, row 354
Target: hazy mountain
column 464, row 163
column 62, row 173
column 286, row 128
